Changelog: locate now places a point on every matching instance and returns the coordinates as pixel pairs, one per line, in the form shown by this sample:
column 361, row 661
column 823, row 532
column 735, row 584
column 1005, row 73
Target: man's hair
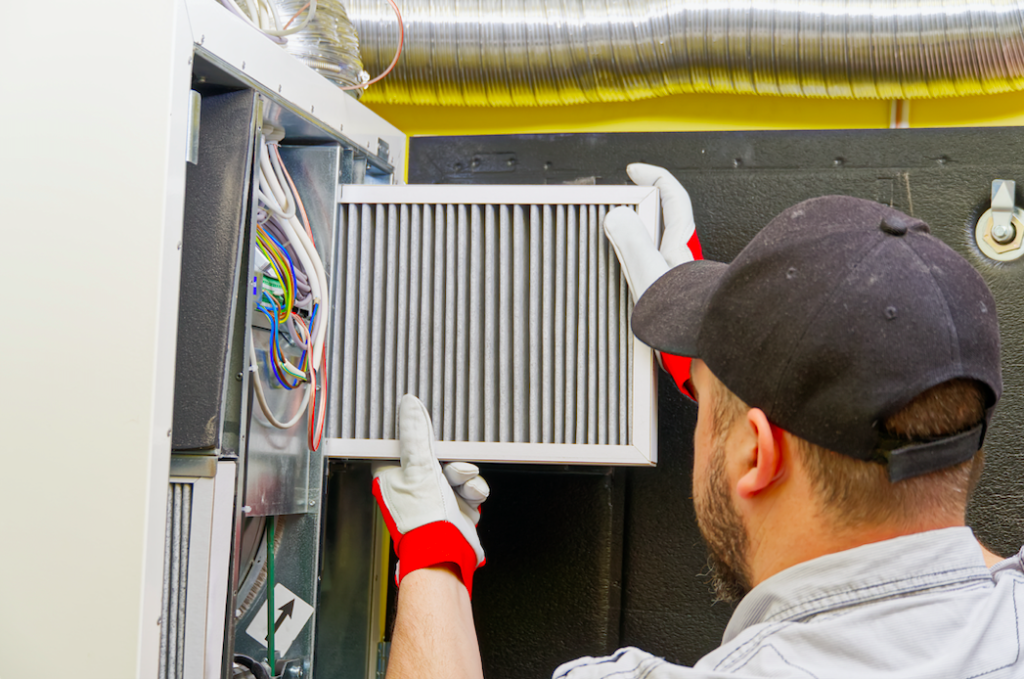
column 856, row 492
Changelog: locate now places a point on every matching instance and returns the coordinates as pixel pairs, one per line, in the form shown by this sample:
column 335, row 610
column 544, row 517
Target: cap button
column 893, row 229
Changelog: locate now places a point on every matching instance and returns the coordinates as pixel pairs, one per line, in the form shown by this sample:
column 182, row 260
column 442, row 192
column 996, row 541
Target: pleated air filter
column 504, row 310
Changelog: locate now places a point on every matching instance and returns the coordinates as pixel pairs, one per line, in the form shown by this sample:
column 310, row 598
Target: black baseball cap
column 835, row 316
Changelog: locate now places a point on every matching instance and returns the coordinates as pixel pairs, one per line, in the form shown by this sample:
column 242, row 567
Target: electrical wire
column 398, row 52
column 262, row 399
column 295, row 282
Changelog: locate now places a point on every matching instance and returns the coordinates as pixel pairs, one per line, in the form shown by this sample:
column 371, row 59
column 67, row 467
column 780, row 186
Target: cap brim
column 669, row 314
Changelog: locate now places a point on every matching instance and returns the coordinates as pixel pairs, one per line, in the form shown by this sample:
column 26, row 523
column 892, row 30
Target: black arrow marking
column 286, row 612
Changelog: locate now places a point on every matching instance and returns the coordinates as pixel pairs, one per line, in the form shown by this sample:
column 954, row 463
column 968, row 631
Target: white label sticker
column 290, row 616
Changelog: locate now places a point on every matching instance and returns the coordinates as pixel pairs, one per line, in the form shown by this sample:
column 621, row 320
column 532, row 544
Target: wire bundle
column 295, row 290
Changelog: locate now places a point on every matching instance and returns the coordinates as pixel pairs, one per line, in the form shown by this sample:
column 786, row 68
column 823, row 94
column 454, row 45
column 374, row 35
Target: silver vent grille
column 507, row 315
column 176, row 543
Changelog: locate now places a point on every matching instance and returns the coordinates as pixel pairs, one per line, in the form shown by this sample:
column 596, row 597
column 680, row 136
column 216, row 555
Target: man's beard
column 723, row 532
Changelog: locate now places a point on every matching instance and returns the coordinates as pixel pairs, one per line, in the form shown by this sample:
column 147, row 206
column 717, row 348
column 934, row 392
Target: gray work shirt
column 914, row 607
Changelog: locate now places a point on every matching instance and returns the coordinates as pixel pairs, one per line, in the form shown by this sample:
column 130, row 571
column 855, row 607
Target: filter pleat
column 547, row 323
column 602, row 335
column 451, row 341
column 506, row 323
column 426, row 306
column 378, row 307
column 558, row 435
column 491, row 303
column 624, row 340
column 572, row 297
column 363, row 351
column 535, row 289
column 613, row 345
column 390, row 393
column 463, row 326
column 475, row 312
column 592, row 324
column 582, row 322
column 520, row 326
column 408, row 333
column 438, row 344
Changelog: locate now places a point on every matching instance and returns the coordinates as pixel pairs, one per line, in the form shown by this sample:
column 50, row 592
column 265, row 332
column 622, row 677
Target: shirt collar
column 874, row 571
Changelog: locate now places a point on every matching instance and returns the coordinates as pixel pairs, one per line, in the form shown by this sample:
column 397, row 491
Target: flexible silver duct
column 549, row 52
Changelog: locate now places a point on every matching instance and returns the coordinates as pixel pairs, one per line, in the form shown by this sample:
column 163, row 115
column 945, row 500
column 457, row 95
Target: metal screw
column 294, row 672
column 238, row 377
column 1003, row 233
column 312, row 503
column 246, row 509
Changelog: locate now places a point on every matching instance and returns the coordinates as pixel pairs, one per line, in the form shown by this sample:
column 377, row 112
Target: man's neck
column 814, row 537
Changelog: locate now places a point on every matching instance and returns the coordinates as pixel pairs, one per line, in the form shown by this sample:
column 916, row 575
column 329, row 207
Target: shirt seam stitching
column 987, row 575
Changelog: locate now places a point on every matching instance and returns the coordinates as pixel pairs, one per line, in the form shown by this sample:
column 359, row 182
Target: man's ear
column 766, row 463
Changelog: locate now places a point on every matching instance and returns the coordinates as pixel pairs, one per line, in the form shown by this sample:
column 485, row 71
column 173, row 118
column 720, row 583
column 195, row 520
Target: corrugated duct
column 553, row 52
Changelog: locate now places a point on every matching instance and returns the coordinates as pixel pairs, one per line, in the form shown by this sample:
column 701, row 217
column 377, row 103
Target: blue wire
column 275, row 350
column 291, row 266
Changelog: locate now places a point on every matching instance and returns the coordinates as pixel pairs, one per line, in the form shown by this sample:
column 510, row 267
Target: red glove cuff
column 430, row 545
column 435, row 544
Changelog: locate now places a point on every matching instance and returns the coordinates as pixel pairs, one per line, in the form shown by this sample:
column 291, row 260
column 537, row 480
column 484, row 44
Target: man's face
column 719, row 521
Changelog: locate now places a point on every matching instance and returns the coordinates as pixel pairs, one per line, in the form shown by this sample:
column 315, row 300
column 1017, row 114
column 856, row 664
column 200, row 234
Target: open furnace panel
column 501, row 307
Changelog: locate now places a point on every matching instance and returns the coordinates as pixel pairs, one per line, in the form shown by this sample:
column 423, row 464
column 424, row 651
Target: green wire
column 271, row 520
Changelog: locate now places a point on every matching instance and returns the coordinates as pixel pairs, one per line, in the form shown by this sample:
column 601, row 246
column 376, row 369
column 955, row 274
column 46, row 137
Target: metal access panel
column 504, row 310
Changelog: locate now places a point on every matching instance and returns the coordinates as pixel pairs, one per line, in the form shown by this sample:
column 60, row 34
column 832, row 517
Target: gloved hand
column 431, row 513
column 642, row 263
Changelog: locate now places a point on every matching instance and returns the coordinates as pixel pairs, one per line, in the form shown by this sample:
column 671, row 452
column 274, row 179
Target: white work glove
column 641, row 262
column 431, row 513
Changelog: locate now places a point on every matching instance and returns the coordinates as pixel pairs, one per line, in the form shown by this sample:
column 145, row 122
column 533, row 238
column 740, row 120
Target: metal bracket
column 1000, row 230
column 297, row 668
column 195, row 104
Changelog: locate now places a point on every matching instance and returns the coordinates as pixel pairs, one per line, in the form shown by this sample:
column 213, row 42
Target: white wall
column 92, row 108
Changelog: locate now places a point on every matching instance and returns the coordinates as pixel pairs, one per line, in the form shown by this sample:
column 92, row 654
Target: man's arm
column 434, row 637
column 431, row 513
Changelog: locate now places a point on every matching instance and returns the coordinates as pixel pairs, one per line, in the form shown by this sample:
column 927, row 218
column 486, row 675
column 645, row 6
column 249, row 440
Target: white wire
column 296, row 233
column 310, row 247
column 264, row 406
column 279, row 200
column 267, row 198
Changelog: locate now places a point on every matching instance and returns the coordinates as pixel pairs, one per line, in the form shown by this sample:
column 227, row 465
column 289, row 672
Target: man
column 846, row 367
